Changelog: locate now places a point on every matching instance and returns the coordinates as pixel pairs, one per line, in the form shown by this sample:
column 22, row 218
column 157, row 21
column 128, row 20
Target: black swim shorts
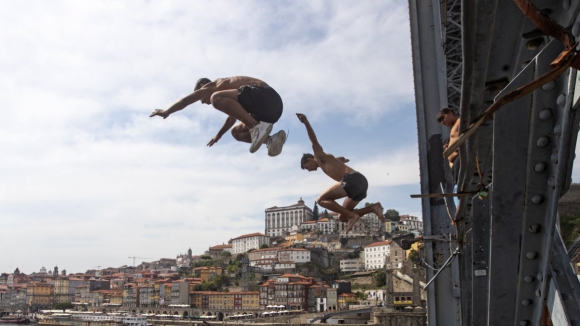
column 355, row 184
column 262, row 102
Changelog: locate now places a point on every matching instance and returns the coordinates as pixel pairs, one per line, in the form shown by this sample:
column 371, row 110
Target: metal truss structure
column 499, row 258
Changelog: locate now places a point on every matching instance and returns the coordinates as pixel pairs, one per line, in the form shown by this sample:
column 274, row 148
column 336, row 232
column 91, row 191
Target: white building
column 280, row 220
column 297, row 255
column 327, row 225
column 368, row 224
column 279, row 265
column 412, row 222
column 263, row 256
column 376, row 254
column 351, row 265
column 246, row 242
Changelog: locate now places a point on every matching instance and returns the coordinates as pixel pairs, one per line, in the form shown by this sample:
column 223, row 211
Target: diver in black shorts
column 351, row 184
column 250, row 100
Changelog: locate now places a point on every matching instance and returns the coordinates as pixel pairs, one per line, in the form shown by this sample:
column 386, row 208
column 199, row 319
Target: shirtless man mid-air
column 251, row 101
column 351, row 184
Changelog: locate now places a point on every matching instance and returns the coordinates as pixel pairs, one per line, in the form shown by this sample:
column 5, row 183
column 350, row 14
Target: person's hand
column 158, row 112
column 301, row 117
column 213, row 141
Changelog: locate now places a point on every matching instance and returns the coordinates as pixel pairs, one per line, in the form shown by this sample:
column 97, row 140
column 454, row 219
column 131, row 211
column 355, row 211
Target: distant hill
column 569, row 210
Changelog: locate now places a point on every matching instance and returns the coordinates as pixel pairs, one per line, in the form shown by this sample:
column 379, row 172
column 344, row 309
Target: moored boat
column 14, row 320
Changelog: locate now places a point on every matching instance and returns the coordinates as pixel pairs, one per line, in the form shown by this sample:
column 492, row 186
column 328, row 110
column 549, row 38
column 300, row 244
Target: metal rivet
column 534, row 44
column 540, row 167
column 538, row 293
column 557, row 129
column 538, row 199
column 532, row 255
column 524, row 323
column 545, row 114
column 540, row 277
column 535, row 228
column 561, row 100
column 576, row 29
column 543, row 141
column 527, row 302
column 549, row 86
column 529, row 279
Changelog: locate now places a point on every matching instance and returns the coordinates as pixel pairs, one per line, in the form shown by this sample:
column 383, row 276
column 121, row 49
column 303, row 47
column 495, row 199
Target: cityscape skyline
column 89, row 179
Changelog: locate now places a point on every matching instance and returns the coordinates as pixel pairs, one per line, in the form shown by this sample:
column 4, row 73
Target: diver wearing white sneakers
column 251, row 101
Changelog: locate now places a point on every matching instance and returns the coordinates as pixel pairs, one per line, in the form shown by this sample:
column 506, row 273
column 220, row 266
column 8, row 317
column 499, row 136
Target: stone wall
column 362, row 280
column 381, row 317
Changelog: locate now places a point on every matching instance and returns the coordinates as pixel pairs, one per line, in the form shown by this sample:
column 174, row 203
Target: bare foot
column 352, row 219
column 378, row 209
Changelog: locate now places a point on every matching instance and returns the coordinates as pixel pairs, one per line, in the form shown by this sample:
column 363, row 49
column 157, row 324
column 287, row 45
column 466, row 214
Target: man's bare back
column 453, row 135
column 235, row 82
column 332, row 166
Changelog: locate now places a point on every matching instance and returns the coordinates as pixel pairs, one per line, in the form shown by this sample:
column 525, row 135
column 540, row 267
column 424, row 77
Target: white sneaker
column 276, row 142
column 258, row 134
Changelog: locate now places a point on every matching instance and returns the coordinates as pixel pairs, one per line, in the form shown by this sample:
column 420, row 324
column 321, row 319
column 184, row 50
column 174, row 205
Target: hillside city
column 302, row 262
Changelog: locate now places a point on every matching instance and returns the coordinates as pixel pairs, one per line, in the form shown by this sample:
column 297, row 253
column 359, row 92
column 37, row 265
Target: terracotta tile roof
column 380, row 243
column 250, row 235
column 266, row 249
column 222, row 246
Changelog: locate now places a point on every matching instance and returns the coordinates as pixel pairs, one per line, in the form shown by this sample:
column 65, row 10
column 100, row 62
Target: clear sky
column 87, row 179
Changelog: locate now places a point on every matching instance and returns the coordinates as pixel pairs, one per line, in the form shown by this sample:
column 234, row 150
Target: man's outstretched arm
column 182, row 103
column 230, row 121
column 315, row 145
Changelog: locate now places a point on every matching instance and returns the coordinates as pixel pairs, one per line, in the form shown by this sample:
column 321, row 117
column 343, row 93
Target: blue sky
column 88, row 179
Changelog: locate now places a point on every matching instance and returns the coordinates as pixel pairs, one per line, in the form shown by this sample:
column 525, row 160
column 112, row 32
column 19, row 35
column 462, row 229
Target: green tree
column 63, row 306
column 239, row 257
column 380, row 278
column 570, row 228
column 220, row 281
column 225, row 254
column 362, row 296
column 414, row 256
column 392, row 214
column 205, row 257
column 206, row 286
column 315, row 212
column 264, row 246
column 355, row 254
